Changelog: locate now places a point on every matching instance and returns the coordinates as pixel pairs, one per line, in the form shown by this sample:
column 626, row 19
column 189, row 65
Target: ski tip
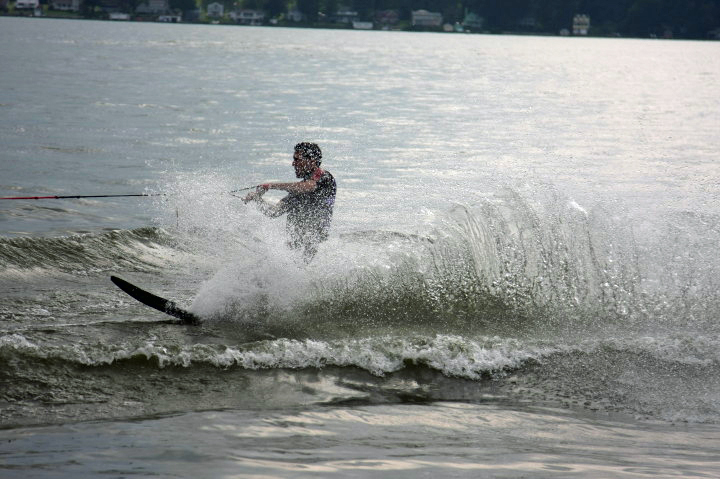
column 156, row 302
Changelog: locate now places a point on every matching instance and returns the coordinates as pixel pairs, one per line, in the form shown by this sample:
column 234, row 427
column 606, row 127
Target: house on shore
column 387, row 17
column 345, row 15
column 473, row 22
column 424, row 18
column 248, row 17
column 215, row 10
column 295, row 15
column 66, row 5
column 153, row 7
column 27, row 4
column 581, row 24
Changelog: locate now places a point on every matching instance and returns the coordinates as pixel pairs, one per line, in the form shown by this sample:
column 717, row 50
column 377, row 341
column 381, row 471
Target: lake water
column 522, row 277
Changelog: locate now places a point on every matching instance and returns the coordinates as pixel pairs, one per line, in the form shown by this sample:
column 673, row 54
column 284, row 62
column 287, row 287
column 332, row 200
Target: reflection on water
column 437, row 439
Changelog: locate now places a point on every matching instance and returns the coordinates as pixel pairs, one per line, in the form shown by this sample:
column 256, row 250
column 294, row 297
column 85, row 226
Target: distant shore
column 46, row 13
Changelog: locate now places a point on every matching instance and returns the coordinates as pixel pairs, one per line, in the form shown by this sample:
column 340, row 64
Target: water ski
column 161, row 304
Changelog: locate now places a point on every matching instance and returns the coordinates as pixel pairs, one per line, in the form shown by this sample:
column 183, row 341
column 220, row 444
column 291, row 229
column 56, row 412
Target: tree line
column 637, row 18
column 691, row 19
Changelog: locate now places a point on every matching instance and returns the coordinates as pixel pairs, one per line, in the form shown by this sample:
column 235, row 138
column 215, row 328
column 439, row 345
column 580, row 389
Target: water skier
column 309, row 203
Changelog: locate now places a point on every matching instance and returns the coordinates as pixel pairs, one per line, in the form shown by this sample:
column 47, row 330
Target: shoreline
column 347, row 27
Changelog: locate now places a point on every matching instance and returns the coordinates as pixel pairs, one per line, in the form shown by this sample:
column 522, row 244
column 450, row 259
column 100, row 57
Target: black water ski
column 161, row 304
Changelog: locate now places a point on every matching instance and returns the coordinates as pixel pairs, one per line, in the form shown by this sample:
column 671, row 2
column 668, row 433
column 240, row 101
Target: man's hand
column 257, row 194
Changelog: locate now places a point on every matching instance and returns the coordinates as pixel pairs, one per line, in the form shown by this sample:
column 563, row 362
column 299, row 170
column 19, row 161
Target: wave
column 453, row 355
column 126, row 249
column 671, row 378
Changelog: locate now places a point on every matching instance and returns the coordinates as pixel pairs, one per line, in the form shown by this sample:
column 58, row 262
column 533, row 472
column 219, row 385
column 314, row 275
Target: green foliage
column 310, row 9
column 183, row 5
column 329, row 7
column 273, row 8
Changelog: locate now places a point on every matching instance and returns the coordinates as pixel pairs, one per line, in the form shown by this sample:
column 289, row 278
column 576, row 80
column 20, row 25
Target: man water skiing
column 309, row 203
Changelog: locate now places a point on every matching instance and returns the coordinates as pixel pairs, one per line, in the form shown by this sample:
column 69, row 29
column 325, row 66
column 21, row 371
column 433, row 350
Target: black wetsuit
column 309, row 214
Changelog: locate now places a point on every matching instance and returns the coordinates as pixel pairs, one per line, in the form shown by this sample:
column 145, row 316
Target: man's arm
column 273, row 211
column 299, row 187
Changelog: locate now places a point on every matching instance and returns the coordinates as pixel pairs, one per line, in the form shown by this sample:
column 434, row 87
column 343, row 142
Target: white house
column 215, row 10
column 153, row 6
column 345, row 15
column 473, row 21
column 248, row 17
column 295, row 15
column 581, row 24
column 423, row 18
column 66, row 5
column 27, row 4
